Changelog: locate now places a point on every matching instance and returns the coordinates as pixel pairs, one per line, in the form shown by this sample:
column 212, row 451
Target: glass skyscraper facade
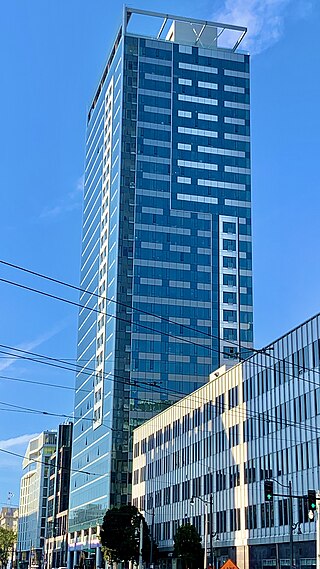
column 166, row 267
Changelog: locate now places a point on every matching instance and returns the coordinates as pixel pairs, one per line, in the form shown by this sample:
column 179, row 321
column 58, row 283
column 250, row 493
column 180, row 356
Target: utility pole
column 211, row 532
column 152, row 532
column 291, row 524
column 140, row 543
column 317, row 521
column 205, row 559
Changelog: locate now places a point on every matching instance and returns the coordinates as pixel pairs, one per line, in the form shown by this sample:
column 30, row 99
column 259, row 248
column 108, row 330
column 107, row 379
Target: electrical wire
column 19, row 408
column 135, row 309
column 120, row 378
column 112, row 300
column 258, row 416
column 41, row 383
column 116, row 317
column 65, row 300
column 245, row 414
column 271, row 436
column 46, row 464
column 89, row 373
column 263, row 351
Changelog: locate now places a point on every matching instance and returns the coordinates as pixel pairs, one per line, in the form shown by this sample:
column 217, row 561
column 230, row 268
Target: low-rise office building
column 211, row 452
column 9, row 517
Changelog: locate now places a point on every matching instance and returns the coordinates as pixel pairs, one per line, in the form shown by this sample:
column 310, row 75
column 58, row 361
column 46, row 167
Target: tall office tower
column 33, row 500
column 166, row 254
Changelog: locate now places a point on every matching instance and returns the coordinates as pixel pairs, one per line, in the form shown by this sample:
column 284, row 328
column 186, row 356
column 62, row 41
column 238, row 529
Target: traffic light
column 268, row 491
column 312, row 501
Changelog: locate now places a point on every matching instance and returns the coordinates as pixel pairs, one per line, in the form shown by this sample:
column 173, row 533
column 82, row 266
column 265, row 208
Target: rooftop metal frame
column 128, row 12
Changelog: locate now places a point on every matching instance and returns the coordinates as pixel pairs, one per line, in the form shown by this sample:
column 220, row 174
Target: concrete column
column 242, row 553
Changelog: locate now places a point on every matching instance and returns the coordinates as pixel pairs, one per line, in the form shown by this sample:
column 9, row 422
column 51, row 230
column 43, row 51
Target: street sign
column 229, row 564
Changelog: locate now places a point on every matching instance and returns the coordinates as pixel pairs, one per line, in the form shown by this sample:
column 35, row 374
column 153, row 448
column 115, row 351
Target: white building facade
column 258, row 420
column 33, row 500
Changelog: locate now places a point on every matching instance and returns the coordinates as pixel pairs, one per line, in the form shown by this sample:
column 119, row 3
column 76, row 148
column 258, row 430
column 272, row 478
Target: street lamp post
column 152, row 532
column 206, row 503
column 140, row 543
column 291, row 524
column 211, row 532
column 205, row 536
column 31, row 549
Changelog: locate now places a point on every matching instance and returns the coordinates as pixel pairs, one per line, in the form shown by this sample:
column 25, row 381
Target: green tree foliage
column 120, row 533
column 7, row 540
column 187, row 546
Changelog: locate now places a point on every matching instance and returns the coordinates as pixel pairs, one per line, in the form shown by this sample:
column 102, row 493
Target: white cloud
column 264, row 19
column 10, row 465
column 7, row 444
column 71, row 201
column 29, row 346
column 80, row 183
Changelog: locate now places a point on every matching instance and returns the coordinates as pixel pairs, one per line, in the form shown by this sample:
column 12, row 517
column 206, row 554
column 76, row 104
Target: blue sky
column 52, row 55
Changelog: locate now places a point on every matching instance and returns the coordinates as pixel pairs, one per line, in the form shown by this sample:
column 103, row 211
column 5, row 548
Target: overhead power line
column 135, row 382
column 112, row 300
column 39, row 358
column 46, row 464
column 135, row 309
column 40, row 383
column 245, row 414
column 15, row 407
column 116, row 317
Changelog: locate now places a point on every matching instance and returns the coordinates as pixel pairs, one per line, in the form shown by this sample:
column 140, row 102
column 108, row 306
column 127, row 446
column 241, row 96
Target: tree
column 120, row 534
column 7, row 541
column 187, row 545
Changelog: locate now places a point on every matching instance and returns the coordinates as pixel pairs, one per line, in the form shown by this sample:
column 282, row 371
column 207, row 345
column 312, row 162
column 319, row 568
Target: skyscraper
column 166, row 247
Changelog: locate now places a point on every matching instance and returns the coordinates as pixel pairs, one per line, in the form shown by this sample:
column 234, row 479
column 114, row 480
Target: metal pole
column 12, row 553
column 211, row 531
column 151, row 544
column 140, row 543
column 54, row 546
column 205, row 536
column 291, row 525
column 63, row 559
column 277, row 556
column 29, row 564
column 317, row 522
